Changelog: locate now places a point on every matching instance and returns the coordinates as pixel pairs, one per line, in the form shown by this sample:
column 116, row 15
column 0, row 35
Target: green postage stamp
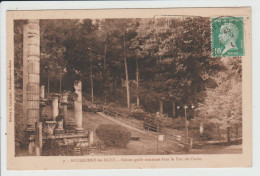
column 227, row 35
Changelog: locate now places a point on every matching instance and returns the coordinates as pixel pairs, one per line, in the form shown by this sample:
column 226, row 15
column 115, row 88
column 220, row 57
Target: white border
column 255, row 170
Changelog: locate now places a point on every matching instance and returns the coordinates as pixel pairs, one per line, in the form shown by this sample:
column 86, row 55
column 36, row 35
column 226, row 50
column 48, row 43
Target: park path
column 218, row 149
column 125, row 125
column 146, row 133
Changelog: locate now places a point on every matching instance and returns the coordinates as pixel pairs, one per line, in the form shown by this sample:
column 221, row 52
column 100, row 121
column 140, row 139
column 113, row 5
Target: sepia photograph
column 127, row 87
column 145, row 89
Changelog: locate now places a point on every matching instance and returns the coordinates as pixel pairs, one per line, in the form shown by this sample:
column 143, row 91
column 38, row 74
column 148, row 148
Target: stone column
column 55, row 106
column 64, row 104
column 60, row 129
column 42, row 103
column 33, row 71
column 78, row 106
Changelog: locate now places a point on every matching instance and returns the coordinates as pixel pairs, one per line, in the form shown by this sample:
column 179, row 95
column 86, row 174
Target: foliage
column 223, row 104
column 137, row 112
column 113, row 134
column 91, row 108
column 20, row 119
column 178, row 123
column 53, row 148
column 176, row 59
column 18, row 52
column 171, row 54
column 156, row 122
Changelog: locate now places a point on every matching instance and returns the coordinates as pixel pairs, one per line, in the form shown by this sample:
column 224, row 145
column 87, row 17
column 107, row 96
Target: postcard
column 129, row 88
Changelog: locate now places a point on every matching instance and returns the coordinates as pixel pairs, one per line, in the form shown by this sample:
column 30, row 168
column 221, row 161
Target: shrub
column 178, row 123
column 138, row 115
column 53, row 148
column 91, row 108
column 113, row 134
column 152, row 123
column 137, row 112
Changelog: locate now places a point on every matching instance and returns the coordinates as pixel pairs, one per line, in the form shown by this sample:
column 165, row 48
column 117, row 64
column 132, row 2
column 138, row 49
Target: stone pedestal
column 78, row 107
column 55, row 106
column 48, row 127
column 59, row 129
column 91, row 137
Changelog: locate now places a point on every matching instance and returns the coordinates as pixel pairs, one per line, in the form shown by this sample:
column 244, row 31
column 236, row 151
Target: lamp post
column 185, row 107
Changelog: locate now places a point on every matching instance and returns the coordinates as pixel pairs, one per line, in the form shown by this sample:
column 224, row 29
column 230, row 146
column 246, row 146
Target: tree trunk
column 92, row 86
column 126, row 76
column 104, row 72
column 60, row 85
column 48, row 81
column 25, row 63
column 161, row 107
column 115, row 88
column 228, row 135
column 137, row 82
column 173, row 109
column 219, row 135
column 236, row 132
column 105, row 55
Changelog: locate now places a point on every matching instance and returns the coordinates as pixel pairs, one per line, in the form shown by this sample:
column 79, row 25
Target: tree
column 177, row 57
column 54, row 34
column 223, row 104
column 120, row 31
column 18, row 52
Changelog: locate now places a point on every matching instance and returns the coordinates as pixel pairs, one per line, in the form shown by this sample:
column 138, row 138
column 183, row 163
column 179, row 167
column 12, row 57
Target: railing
column 188, row 142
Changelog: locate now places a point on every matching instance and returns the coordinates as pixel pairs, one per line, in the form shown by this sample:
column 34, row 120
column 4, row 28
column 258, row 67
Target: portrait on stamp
column 227, row 36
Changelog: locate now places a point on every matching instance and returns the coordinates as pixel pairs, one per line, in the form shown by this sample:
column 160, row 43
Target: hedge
column 113, row 134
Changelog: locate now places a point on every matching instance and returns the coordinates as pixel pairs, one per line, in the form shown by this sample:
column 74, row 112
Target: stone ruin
column 60, row 128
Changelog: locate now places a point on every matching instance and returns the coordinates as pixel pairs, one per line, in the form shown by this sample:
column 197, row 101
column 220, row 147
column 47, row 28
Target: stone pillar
column 33, row 71
column 78, row 106
column 55, row 106
column 42, row 103
column 64, row 104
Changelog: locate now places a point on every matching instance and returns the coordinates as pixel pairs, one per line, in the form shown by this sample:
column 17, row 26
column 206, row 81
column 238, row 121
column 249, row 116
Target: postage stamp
column 227, row 35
